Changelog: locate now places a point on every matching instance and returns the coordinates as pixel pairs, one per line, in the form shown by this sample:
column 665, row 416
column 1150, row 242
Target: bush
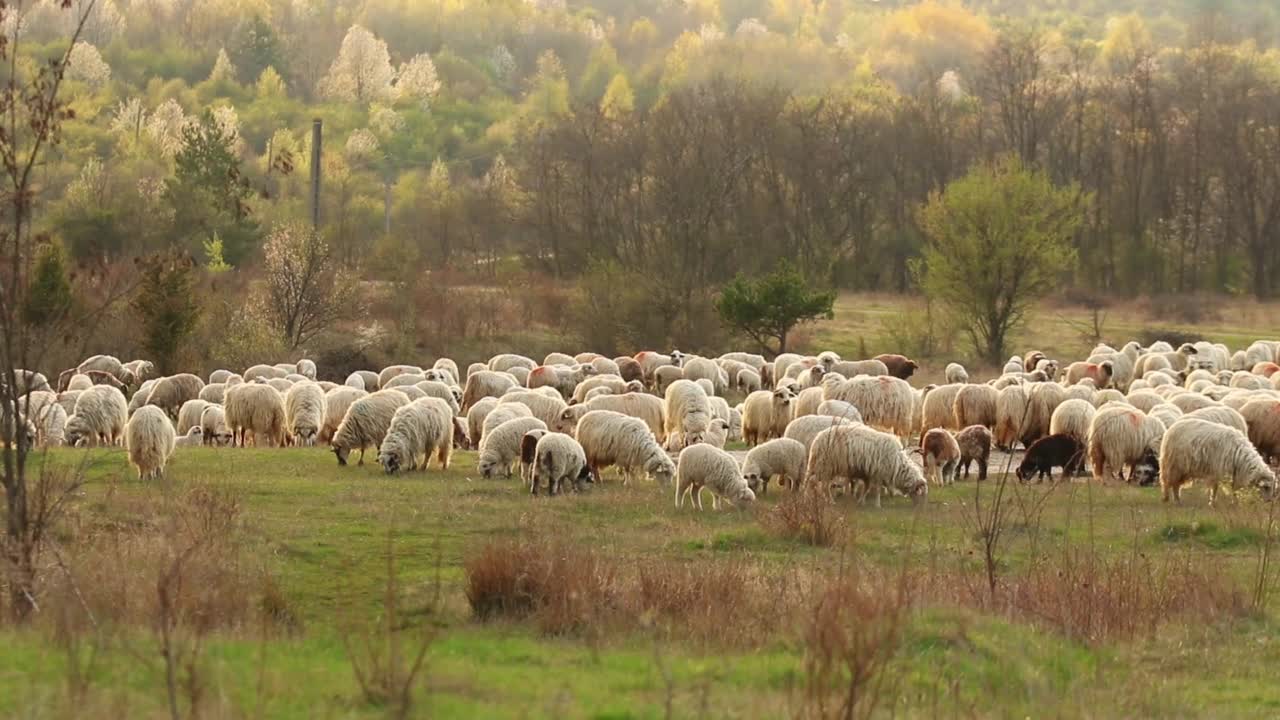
column 807, row 516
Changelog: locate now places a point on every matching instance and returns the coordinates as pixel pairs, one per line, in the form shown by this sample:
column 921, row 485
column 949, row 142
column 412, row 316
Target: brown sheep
column 899, row 365
column 975, row 444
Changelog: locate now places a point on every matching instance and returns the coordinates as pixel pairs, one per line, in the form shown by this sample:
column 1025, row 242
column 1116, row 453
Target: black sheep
column 1045, row 454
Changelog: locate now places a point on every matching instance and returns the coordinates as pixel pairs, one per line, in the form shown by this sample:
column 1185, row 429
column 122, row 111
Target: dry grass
column 806, row 516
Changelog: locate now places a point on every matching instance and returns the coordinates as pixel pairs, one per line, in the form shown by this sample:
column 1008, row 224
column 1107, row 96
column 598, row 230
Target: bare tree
column 306, row 291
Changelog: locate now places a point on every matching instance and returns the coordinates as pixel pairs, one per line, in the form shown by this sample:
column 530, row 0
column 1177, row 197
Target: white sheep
column 1073, row 417
column 558, row 458
column 215, row 393
column 500, row 446
column 506, row 361
column 885, row 402
column 1262, row 417
column 840, row 409
column 613, row 383
column 366, row 423
column 99, row 418
column 955, row 373
column 1166, row 413
column 748, row 381
column 1221, row 415
column 805, row 429
column 189, row 415
column 700, row 368
column 417, row 431
column 257, row 410
column 857, row 452
column 336, row 403
column 304, row 412
column 783, row 458
column 51, row 425
column 974, row 405
column 389, row 373
column 441, row 391
column 194, row 437
column 485, row 383
column 765, row 415
column 1011, row 411
column 501, row 413
column 150, row 440
column 263, row 372
column 307, row 369
column 1201, row 450
column 213, row 427
column 1118, row 437
column 702, row 466
column 609, row 438
column 687, row 413
column 563, row 379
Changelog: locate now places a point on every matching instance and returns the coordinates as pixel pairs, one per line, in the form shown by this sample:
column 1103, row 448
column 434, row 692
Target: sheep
column 938, row 408
column 754, row 361
column 1101, row 373
column 304, row 412
column 898, row 366
column 476, row 367
column 1262, row 418
column 288, row 368
column 849, row 369
column 150, row 440
column 717, row 433
column 1249, row 381
column 646, row 407
column 956, row 374
column 885, row 402
column 169, row 393
column 1031, row 359
column 650, row 362
column 1042, row 400
column 559, row 358
column 708, row 388
column 1050, row 368
column 557, row 458
column 840, row 409
column 417, row 431
column 102, row 363
column 213, row 393
column 597, row 392
column 613, row 382
column 502, row 412
column 447, row 365
column 731, row 370
column 1073, row 417
column 1261, row 351
column 295, row 378
column 441, row 391
column 687, row 413
column 765, row 415
column 810, row 378
column 781, row 457
column 547, row 409
column 336, row 402
column 1200, row 450
column 366, row 380
column 1011, row 411
column 974, row 405
column 99, row 418
column 629, row 369
column 506, row 361
column 941, row 455
column 280, row 385
column 805, row 429
column 501, row 445
column 1013, row 366
column 138, row 371
column 1190, row 402
column 51, row 425
column 365, row 424
column 1118, row 437
column 189, row 415
column 77, row 382
column 1221, row 415
column 1166, row 413
column 263, row 372
column 563, row 379
column 194, row 437
column 1144, row 400
column 68, row 402
column 749, row 381
column 702, row 466
column 610, row 438
column 1120, row 372
column 307, row 369
column 213, row 426
column 403, row 380
column 856, row 452
column 975, row 445
column 700, row 368
column 485, row 383
column 475, row 419
column 1265, row 369
column 1064, row 451
column 806, row 403
column 389, row 373
column 1109, row 395
column 257, row 409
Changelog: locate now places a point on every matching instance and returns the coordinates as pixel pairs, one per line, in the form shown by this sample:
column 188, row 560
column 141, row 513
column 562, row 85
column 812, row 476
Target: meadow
column 275, row 564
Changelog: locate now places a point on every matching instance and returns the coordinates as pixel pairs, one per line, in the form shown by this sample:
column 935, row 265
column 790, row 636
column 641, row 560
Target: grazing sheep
column 391, row 372
column 856, row 452
column 717, row 433
column 99, row 418
column 102, row 363
column 150, row 440
column 1073, row 417
column 68, row 402
column 169, row 393
column 403, row 380
column 1013, row 366
column 781, row 457
column 213, row 427
column 1109, row 396
column 557, row 458
column 258, row 410
column 77, row 382
column 702, row 466
column 749, row 381
column 941, row 455
column 898, row 366
column 485, row 383
column 1051, row 451
column 336, row 403
column 765, row 415
column 1042, row 400
column 304, row 413
column 1190, row 402
column 806, row 403
column 51, row 425
column 700, row 368
column 418, row 430
column 366, row 380
column 1118, row 437
column 1101, row 373
column 559, row 358
column 546, row 408
column 189, row 415
column 805, row 429
column 974, row 405
column 506, row 361
column 521, row 375
column 441, row 391
column 1144, row 400
column 194, row 437
column 955, row 374
column 629, row 369
column 1166, row 413
column 885, row 402
column 687, row 413
column 649, row 408
column 1221, row 415
column 1200, row 450
column 975, row 445
column 610, row 438
column 138, row 371
column 366, row 423
column 500, row 446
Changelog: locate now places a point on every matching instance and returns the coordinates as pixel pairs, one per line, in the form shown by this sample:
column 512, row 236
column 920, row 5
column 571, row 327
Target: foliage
column 999, row 239
column 256, row 50
column 208, row 193
column 49, row 295
column 768, row 308
column 306, row 291
column 362, row 71
column 168, row 305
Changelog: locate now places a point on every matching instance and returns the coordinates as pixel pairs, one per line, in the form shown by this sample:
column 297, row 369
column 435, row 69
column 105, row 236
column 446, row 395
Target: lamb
column 506, row 361
column 840, row 409
column 1200, row 450
column 258, row 410
column 501, row 413
column 610, row 438
column 99, row 418
column 1262, row 417
column 501, row 445
column 150, row 441
column 975, row 445
column 856, row 452
column 213, row 427
column 781, row 457
column 1221, row 415
column 941, row 455
column 975, row 405
column 305, row 412
column 1100, row 373
column 884, row 402
column 447, row 365
column 805, row 429
column 193, row 438
column 956, row 374
column 717, row 433
column 336, row 403
column 169, row 393
column 1051, row 451
column 563, row 379
column 1073, row 417
column 189, row 415
column 485, row 383
column 1118, row 437
column 558, row 458
column 765, row 415
column 365, row 424
column 687, row 413
column 898, row 365
column 418, row 430
column 702, row 466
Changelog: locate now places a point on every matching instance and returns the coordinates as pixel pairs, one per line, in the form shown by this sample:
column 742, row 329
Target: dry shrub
column 729, row 603
column 806, row 516
column 563, row 587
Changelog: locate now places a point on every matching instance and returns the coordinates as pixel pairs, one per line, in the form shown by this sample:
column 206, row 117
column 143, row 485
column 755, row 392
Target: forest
column 674, row 143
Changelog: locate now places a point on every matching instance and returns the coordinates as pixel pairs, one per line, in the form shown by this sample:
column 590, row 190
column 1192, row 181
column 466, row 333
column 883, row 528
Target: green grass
column 321, row 531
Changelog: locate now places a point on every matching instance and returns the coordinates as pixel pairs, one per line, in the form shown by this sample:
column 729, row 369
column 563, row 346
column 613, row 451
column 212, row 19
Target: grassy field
column 1108, row 603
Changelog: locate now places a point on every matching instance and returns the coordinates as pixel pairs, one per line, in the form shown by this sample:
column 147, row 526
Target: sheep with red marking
column 1118, row 437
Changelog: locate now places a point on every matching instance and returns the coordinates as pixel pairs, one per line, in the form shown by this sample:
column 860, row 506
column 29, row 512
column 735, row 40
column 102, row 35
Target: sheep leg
column 698, row 496
column 715, row 501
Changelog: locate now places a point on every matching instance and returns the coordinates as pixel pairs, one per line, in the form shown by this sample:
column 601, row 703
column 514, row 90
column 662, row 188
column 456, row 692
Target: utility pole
column 316, row 135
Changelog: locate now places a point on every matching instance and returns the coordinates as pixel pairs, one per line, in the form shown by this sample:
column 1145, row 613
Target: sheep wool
column 366, row 423
column 765, row 415
column 1195, row 449
column 99, row 418
column 1118, row 436
column 418, row 430
column 150, row 441
column 856, row 452
column 687, row 412
column 500, row 446
column 304, row 412
column 609, row 438
column 558, row 458
column 1073, row 417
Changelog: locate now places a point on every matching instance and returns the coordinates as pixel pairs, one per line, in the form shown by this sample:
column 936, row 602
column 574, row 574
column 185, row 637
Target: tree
column 208, row 193
column 768, row 308
column 998, row 240
column 362, row 71
column 168, row 305
column 49, row 296
column 255, row 49
column 418, row 80
column 306, row 293
column 618, row 98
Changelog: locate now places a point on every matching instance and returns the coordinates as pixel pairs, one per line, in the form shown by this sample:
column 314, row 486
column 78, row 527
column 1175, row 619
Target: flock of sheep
column 1172, row 415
